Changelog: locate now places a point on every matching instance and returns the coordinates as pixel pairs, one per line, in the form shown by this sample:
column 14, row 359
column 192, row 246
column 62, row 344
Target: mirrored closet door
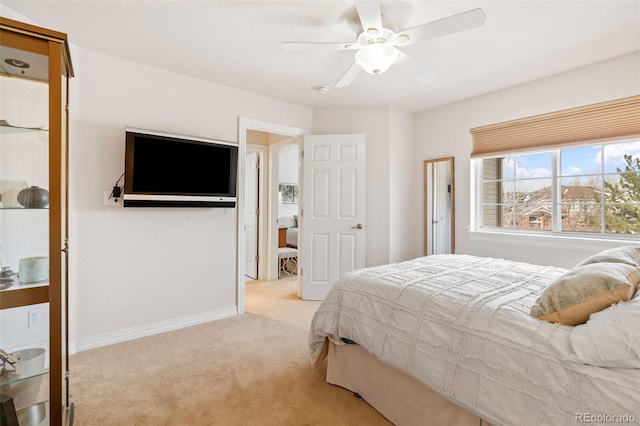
column 439, row 216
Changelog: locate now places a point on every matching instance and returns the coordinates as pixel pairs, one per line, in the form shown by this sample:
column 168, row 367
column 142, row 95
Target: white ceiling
column 237, row 43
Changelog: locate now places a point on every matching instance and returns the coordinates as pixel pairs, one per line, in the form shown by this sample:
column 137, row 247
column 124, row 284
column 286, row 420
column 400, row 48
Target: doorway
column 271, row 138
column 272, row 172
column 285, row 189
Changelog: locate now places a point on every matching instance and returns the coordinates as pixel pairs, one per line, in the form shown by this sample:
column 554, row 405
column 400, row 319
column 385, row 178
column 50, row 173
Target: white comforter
column 461, row 325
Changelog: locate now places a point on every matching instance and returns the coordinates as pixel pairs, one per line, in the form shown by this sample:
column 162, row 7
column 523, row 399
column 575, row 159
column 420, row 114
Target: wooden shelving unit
column 35, row 68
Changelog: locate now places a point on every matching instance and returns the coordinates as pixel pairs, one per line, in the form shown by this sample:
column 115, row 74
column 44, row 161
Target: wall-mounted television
column 166, row 170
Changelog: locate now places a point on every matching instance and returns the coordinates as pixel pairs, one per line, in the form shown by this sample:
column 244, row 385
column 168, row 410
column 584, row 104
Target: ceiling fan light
column 376, row 58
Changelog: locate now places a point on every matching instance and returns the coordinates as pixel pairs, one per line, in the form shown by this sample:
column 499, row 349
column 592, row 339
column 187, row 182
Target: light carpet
column 252, row 369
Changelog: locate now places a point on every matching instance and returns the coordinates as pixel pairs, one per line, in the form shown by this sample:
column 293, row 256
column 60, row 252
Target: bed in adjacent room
column 288, row 225
column 452, row 339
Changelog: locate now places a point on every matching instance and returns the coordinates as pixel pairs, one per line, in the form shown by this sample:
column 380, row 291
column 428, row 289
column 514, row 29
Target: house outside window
column 588, row 190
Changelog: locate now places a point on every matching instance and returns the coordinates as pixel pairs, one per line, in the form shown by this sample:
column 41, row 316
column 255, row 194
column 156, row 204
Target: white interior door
column 251, row 215
column 333, row 211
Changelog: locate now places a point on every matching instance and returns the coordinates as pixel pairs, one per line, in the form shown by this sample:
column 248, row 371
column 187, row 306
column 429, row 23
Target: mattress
column 461, row 325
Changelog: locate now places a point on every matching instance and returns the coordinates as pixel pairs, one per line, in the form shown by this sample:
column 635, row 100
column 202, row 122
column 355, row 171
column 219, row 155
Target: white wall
column 444, row 131
column 389, row 148
column 401, row 187
column 288, row 173
column 134, row 269
column 288, row 164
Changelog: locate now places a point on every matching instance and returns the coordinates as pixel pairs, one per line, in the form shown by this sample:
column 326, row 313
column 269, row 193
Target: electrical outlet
column 110, row 201
column 34, row 318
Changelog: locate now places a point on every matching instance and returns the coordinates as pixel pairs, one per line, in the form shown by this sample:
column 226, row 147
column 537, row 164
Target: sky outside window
column 583, row 160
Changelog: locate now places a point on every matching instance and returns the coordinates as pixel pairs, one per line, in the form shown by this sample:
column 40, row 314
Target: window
column 591, row 189
column 574, row 171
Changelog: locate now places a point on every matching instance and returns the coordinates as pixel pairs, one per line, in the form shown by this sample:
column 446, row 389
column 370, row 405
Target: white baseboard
column 106, row 339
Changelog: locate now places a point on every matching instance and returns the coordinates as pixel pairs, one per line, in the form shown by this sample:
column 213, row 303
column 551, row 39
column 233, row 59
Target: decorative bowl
column 34, row 197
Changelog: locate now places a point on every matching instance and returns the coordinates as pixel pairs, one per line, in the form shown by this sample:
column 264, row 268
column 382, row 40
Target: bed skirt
column 399, row 397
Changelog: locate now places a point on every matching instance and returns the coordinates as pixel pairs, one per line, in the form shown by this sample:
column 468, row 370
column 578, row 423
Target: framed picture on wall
column 289, row 193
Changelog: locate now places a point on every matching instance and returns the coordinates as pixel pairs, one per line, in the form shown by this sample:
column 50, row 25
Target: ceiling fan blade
column 306, row 46
column 349, row 76
column 449, row 25
column 369, row 13
column 420, row 71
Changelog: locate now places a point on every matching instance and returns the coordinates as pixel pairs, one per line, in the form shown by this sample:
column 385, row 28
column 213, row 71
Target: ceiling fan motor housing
column 382, row 35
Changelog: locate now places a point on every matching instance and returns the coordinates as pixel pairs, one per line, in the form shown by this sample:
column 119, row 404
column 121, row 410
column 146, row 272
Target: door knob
column 358, row 226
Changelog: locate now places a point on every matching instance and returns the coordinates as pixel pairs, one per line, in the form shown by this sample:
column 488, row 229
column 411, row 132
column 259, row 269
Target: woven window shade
column 606, row 121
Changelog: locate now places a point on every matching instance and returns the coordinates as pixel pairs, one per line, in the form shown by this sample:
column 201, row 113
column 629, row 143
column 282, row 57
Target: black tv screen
column 164, row 170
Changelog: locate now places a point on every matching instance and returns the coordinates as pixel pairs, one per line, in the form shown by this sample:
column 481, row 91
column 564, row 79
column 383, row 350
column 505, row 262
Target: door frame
column 274, row 208
column 245, row 124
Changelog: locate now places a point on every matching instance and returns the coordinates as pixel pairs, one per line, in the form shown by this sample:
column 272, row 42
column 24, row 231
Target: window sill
column 571, row 242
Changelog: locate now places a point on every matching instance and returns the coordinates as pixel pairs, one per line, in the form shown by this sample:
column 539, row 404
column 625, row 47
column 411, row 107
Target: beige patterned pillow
column 584, row 290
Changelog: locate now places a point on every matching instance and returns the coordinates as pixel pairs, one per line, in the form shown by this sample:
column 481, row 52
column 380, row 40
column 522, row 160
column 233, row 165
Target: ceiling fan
column 377, row 47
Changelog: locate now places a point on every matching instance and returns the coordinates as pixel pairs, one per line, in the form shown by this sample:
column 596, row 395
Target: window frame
column 598, row 240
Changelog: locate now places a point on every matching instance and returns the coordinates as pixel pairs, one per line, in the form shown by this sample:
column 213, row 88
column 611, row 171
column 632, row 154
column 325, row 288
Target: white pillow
column 625, row 254
column 610, row 338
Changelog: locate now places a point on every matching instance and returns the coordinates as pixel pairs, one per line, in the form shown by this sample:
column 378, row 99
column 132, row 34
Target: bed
column 450, row 340
column 289, row 225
